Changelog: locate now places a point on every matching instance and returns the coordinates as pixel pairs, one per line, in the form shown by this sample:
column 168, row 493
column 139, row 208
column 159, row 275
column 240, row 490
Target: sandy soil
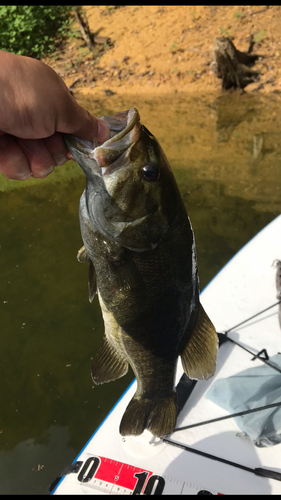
column 163, row 49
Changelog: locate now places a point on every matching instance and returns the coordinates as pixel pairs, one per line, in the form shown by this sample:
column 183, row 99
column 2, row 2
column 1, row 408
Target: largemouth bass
column 140, row 247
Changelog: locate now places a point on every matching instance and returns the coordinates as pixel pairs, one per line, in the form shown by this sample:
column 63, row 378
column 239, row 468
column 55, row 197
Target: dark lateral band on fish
column 140, row 248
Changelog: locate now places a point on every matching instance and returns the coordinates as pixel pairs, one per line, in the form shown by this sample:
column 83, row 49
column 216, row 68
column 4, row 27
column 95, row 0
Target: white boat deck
column 245, row 286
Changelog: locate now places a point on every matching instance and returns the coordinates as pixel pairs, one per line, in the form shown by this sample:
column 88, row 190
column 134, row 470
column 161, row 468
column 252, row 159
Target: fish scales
column 139, row 244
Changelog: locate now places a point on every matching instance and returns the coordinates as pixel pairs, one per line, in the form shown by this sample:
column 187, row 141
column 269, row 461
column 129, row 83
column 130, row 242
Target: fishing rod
column 259, row 471
column 252, row 353
column 252, row 317
column 185, row 387
column 245, row 348
column 232, row 415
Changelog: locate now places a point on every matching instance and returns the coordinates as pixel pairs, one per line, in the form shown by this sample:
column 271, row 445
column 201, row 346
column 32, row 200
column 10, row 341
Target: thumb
column 76, row 120
column 89, row 127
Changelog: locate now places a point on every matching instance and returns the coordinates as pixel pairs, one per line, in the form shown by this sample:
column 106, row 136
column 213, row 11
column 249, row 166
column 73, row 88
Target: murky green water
column 226, row 156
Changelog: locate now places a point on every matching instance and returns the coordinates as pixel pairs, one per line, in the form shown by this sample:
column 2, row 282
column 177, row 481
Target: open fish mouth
column 112, row 154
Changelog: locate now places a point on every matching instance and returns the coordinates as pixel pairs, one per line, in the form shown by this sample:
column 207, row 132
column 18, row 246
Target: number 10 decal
column 100, row 472
column 141, row 478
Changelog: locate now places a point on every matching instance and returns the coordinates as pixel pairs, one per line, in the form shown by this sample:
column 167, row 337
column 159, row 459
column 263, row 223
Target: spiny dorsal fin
column 199, row 356
column 108, row 365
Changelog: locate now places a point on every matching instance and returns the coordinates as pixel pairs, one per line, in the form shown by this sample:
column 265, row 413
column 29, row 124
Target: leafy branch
column 34, row 30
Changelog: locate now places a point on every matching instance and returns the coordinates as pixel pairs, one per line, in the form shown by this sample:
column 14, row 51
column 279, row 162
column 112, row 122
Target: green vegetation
column 193, row 16
column 31, row 30
column 238, row 14
column 224, row 31
column 173, row 46
column 259, row 36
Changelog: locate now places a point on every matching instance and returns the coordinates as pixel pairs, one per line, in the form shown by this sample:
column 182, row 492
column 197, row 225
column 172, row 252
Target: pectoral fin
column 82, row 255
column 92, row 282
column 199, row 356
column 108, row 365
column 128, row 278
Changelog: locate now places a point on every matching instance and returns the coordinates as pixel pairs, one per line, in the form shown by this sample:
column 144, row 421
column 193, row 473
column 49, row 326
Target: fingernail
column 44, row 174
column 60, row 160
column 3, row 142
column 24, row 177
column 103, row 132
column 69, row 156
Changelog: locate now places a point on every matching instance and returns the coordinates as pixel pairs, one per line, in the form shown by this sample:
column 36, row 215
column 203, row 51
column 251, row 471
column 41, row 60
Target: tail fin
column 157, row 415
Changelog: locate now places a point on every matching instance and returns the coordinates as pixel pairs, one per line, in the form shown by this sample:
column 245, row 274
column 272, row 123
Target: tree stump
column 234, row 66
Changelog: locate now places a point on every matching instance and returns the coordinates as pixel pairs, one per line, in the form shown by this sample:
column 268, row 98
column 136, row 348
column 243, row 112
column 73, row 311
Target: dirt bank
column 163, row 49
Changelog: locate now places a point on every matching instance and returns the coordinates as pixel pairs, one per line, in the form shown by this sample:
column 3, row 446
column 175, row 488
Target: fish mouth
column 112, row 154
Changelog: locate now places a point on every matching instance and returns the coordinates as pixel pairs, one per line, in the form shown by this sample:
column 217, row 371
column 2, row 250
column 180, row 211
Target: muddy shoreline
column 154, row 50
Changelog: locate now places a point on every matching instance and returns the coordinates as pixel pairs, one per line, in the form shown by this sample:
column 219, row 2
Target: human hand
column 36, row 107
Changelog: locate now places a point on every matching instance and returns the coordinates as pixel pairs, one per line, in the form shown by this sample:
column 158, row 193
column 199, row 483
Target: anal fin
column 199, row 356
column 108, row 365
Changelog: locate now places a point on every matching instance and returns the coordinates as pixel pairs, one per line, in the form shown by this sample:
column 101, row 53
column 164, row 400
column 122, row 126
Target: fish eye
column 150, row 173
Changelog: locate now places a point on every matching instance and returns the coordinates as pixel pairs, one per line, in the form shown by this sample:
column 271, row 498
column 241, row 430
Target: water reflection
column 26, row 468
column 225, row 153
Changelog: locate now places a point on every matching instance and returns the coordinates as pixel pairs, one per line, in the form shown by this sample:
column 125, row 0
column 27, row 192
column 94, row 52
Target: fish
column 277, row 264
column 140, row 248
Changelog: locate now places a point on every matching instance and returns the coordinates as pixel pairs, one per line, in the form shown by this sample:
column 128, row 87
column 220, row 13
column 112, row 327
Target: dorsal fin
column 200, row 353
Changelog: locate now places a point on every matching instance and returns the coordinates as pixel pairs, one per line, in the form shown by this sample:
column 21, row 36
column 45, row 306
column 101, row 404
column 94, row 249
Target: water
column 225, row 153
